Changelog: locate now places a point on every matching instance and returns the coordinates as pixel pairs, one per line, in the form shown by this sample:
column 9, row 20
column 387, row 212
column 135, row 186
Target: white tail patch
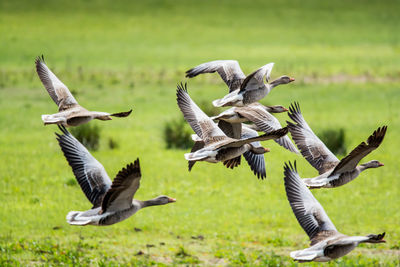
column 299, row 255
column 51, row 119
column 74, row 219
column 218, row 103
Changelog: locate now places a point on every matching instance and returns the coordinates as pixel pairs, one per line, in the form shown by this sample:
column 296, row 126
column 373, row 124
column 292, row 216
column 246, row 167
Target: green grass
column 122, row 55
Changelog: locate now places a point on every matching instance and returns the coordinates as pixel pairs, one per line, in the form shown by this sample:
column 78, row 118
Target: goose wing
column 201, row 124
column 232, row 130
column 351, row 161
column 58, row 91
column 311, row 147
column 268, row 136
column 309, row 213
column 123, row 188
column 90, row 174
column 229, row 70
column 255, row 161
column 255, row 80
column 265, row 122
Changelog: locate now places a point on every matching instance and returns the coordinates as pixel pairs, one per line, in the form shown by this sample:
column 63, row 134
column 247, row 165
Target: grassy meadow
column 117, row 55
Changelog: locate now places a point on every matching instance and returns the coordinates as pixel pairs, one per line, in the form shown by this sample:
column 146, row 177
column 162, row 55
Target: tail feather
column 194, row 156
column 218, row 103
column 51, row 119
column 297, row 256
column 73, row 218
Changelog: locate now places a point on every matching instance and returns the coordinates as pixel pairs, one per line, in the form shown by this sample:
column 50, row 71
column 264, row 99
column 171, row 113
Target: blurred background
column 117, row 55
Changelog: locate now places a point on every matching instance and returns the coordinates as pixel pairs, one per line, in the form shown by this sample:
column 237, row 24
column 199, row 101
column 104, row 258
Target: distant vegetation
column 88, row 134
column 334, row 139
column 118, row 54
column 177, row 134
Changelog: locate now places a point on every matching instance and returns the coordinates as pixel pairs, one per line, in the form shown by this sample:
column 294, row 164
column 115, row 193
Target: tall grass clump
column 335, row 140
column 177, row 135
column 88, row 135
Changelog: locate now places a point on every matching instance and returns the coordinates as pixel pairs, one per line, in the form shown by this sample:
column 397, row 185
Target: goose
column 217, row 146
column 70, row 113
column 242, row 90
column 229, row 70
column 332, row 172
column 262, row 119
column 112, row 201
column 255, row 161
column 326, row 242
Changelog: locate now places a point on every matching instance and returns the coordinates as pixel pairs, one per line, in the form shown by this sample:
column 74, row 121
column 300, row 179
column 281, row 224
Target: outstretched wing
column 255, row 80
column 255, row 161
column 268, row 136
column 89, row 173
column 123, row 188
column 229, row 70
column 58, row 91
column 309, row 213
column 351, row 161
column 311, row 147
column 201, row 124
column 265, row 122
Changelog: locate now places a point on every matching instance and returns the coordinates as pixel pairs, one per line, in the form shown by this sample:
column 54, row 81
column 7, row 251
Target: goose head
column 282, row 80
column 276, row 109
column 259, row 150
column 162, row 200
column 376, row 238
column 372, row 164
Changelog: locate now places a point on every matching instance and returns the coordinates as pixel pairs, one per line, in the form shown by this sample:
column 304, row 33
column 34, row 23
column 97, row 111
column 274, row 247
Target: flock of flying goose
column 236, row 134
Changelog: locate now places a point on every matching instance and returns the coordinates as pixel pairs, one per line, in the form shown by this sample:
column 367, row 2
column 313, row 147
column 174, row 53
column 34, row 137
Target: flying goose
column 112, row 202
column 326, row 242
column 255, row 161
column 242, row 90
column 333, row 173
column 70, row 113
column 229, row 70
column 262, row 119
column 217, row 146
column 252, row 89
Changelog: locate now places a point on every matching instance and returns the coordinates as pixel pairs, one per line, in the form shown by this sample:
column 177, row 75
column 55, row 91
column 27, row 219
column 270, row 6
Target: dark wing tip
column 181, row 91
column 135, row 167
column 289, row 167
column 190, row 73
column 63, row 130
column 382, row 235
column 377, row 136
column 182, row 86
column 280, row 132
column 294, row 108
column 39, row 59
column 122, row 114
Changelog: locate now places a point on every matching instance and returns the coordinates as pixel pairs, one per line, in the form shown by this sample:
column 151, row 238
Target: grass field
column 127, row 54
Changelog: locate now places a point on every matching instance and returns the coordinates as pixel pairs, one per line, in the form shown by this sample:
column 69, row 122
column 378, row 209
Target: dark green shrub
column 335, row 140
column 88, row 134
column 177, row 134
column 112, row 144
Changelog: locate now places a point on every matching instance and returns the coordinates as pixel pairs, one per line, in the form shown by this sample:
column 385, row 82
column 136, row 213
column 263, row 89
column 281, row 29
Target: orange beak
column 266, row 149
column 381, row 164
column 171, row 199
column 285, row 109
column 292, row 79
